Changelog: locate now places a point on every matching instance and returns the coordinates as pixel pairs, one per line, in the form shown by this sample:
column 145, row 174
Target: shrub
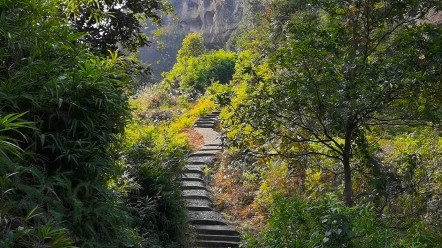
column 78, row 103
column 306, row 222
column 195, row 70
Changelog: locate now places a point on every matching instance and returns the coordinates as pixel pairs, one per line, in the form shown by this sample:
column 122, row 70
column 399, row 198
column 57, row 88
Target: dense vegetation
column 334, row 125
column 79, row 166
column 196, row 69
column 330, row 111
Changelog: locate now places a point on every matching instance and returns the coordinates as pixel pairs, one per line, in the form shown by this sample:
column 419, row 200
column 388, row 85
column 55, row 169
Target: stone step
column 207, row 221
column 203, row 154
column 192, row 184
column 195, row 194
column 205, row 218
column 213, row 114
column 195, row 187
column 193, row 174
column 206, row 149
column 214, row 152
column 194, row 167
column 205, row 159
column 199, row 202
column 196, row 197
column 213, row 121
column 231, row 238
column 201, row 123
column 212, row 145
column 215, row 229
column 192, row 179
column 207, row 119
column 199, row 208
column 208, row 123
column 216, row 244
column 204, row 125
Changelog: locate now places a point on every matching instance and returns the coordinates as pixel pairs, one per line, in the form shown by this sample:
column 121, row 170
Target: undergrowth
column 153, row 153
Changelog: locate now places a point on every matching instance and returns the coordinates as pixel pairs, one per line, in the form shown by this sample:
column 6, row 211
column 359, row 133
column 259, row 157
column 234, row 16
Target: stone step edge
column 213, row 244
column 232, row 238
column 215, row 229
column 199, row 208
column 194, row 188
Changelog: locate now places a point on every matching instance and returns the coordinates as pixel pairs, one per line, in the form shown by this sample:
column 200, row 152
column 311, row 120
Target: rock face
column 215, row 19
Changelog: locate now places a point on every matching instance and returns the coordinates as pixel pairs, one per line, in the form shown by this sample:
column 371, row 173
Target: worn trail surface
column 212, row 229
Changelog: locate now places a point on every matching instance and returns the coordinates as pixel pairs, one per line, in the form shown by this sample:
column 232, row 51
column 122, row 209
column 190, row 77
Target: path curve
column 211, row 227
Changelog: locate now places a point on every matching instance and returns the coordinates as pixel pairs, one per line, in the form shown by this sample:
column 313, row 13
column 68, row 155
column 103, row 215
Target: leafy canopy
column 196, row 69
column 336, row 69
column 109, row 25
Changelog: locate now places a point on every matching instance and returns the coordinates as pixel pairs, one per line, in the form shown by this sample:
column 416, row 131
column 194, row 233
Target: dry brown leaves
column 196, row 140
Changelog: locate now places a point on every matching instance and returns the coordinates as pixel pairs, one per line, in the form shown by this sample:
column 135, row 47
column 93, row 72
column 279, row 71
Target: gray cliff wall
column 215, row 19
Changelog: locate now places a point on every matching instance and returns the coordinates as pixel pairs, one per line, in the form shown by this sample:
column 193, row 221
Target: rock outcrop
column 215, row 19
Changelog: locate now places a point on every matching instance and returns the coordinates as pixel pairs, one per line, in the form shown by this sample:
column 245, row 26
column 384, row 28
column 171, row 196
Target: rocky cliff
column 215, row 19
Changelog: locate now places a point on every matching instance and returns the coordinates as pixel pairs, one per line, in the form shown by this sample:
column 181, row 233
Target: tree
column 339, row 68
column 109, row 24
column 193, row 46
column 195, row 69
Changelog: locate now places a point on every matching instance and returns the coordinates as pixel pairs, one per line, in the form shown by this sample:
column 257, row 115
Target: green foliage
column 108, row 25
column 221, row 92
column 78, row 103
column 336, row 69
column 193, row 46
column 17, row 229
column 195, row 71
column 340, row 98
column 306, row 222
column 152, row 161
column 152, row 156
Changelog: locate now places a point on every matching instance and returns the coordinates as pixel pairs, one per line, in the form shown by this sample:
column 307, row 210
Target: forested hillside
column 330, row 113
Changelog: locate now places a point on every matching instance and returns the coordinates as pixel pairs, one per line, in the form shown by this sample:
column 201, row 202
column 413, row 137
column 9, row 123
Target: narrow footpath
column 212, row 229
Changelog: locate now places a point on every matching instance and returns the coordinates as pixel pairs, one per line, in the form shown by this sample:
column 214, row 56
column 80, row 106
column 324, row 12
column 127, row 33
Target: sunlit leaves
column 338, row 68
column 195, row 69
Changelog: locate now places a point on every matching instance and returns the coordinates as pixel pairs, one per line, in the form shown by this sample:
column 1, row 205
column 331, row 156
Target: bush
column 195, row 71
column 153, row 159
column 152, row 155
column 78, row 103
column 306, row 222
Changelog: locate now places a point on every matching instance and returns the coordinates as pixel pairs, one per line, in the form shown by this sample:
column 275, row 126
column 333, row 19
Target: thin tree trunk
column 348, row 192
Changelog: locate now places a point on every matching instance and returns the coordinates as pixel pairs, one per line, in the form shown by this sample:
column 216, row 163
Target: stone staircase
column 210, row 226
column 208, row 121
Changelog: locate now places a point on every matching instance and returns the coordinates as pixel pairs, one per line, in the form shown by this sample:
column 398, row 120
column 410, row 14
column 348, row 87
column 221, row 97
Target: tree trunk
column 348, row 192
